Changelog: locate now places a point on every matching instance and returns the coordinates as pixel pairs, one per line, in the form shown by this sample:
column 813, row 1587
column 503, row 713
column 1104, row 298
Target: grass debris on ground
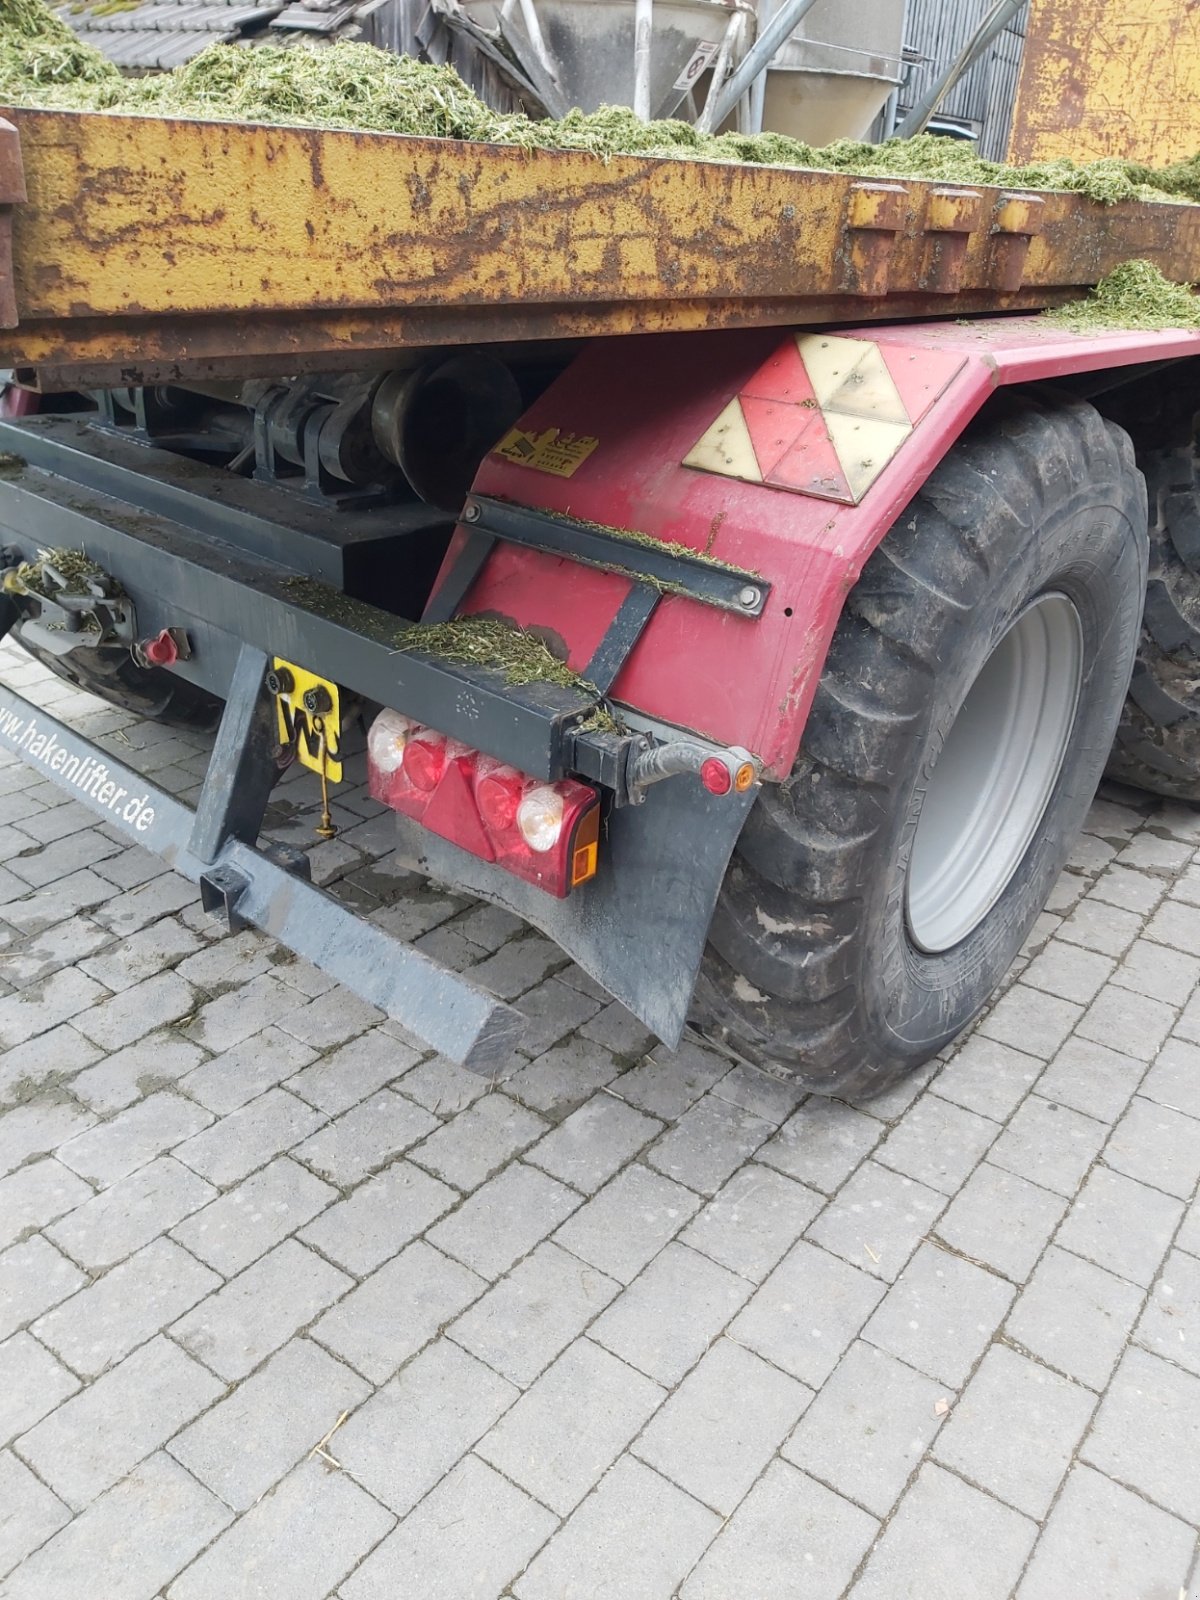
column 351, row 85
column 1134, row 295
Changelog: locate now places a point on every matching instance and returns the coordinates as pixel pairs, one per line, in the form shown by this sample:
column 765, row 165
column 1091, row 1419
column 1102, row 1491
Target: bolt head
column 748, row 596
column 470, row 512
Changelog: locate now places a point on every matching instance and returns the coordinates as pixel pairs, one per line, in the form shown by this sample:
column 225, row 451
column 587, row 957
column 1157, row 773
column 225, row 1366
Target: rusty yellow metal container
column 151, row 250
column 1109, row 78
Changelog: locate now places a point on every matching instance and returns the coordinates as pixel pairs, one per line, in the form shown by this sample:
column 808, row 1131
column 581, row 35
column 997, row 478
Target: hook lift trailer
column 845, row 549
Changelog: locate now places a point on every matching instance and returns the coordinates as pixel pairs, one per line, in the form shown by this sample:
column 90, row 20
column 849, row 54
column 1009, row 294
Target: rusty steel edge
column 155, row 248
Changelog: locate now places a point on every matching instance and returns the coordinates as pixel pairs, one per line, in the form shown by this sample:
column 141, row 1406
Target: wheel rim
column 988, row 791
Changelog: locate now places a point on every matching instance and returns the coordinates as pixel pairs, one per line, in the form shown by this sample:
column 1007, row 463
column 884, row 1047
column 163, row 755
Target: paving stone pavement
column 291, row 1307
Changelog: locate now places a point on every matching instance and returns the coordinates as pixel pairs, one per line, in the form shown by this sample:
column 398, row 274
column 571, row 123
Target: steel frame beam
column 256, row 888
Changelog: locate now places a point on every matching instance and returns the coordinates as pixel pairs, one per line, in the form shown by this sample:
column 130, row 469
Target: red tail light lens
column 499, row 794
column 546, row 833
column 425, row 760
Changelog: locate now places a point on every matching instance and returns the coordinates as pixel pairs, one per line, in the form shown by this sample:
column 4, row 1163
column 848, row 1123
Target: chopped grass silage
column 1134, row 295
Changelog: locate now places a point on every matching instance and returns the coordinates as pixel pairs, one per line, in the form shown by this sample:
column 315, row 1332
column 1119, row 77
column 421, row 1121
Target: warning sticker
column 551, row 451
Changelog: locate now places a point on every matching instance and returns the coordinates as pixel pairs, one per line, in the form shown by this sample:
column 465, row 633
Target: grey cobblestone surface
column 289, row 1307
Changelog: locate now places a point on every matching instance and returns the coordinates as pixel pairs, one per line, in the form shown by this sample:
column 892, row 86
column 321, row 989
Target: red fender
column 786, row 454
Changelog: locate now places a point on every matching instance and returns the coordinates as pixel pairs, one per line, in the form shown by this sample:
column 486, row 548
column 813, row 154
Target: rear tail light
column 546, row 833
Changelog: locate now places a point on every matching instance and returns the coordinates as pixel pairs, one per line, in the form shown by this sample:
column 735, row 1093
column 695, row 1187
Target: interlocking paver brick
column 237, row 1076
column 1075, row 1316
column 442, row 1087
column 62, row 946
column 988, row 1077
column 353, row 1072
column 36, row 1129
column 35, row 1195
column 807, row 1312
column 29, row 1512
column 414, row 1429
column 877, row 1219
column 468, row 1150
column 129, row 1542
column 671, row 1313
column 299, row 1540
column 1014, row 1430
column 365, row 1138
column 565, row 1431
column 504, row 1219
column 1132, row 1023
column 43, row 1005
column 1150, row 969
column 532, row 1314
column 617, row 1030
column 152, row 1063
column 104, row 1322
column 1188, row 1025
column 74, row 851
column 232, row 1018
column 133, row 1013
column 718, row 1430
column 866, row 1431
column 82, row 891
column 249, row 1137
column 773, row 1098
column 923, row 1554
column 1174, row 1079
column 1089, row 1077
column 256, row 1312
column 708, row 1143
column 32, row 1383
column 1149, row 852
column 594, row 1142
column 1105, row 928
column 247, row 1221
column 552, row 1011
column 1069, row 971
column 1105, row 1543
column 248, row 1441
column 753, row 1221
column 562, row 1078
column 43, row 1062
column 626, row 1224
column 143, row 955
column 789, row 1535
column 134, row 1137
column 331, row 1019
column 822, row 1144
column 1030, row 1020
column 635, row 1538
column 940, row 1314
column 397, row 1310
column 1049, row 1144
column 135, row 1210
column 1132, row 891
column 465, row 1541
column 139, row 907
column 518, row 965
column 1170, row 1323
column 1147, row 1425
column 668, row 1082
column 1001, row 1220
column 379, row 1217
column 1122, row 1225
column 1157, row 1145
column 98, row 1435
column 236, row 958
column 1175, row 924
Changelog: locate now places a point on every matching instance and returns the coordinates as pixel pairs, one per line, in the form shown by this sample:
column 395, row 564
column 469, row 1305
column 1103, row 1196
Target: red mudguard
column 789, row 455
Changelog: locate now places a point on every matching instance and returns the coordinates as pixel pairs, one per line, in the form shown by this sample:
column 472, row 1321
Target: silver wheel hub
column 995, row 774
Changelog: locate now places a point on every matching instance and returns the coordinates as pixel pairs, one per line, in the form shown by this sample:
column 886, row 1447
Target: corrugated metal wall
column 935, row 31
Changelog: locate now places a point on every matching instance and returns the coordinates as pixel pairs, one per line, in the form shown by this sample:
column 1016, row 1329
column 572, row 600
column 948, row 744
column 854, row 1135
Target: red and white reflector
column 546, row 833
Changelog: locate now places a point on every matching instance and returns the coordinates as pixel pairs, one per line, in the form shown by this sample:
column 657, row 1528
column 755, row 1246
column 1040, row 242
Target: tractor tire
column 150, row 692
column 961, row 724
column 1157, row 746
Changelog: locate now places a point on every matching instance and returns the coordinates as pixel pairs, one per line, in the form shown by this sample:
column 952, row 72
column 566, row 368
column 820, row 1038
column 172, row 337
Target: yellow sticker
column 551, row 451
column 313, row 726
